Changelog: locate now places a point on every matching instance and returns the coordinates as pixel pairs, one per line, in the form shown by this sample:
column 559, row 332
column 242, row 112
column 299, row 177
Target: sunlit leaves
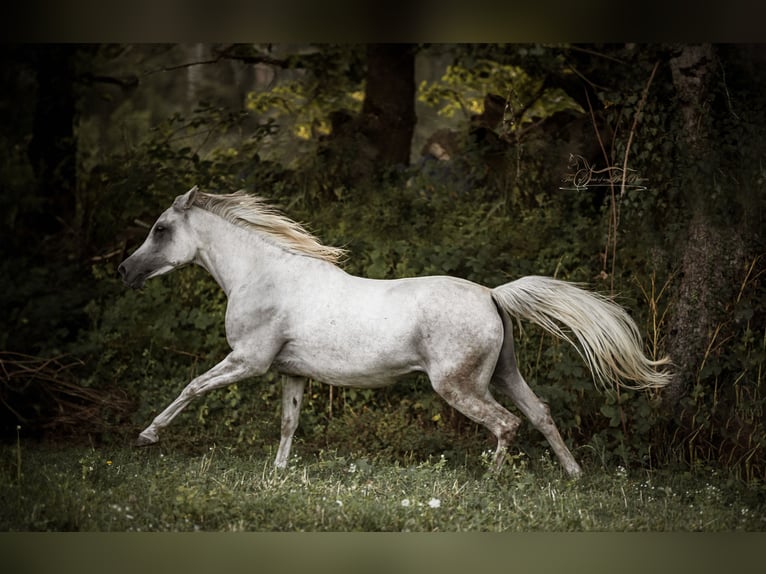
column 462, row 90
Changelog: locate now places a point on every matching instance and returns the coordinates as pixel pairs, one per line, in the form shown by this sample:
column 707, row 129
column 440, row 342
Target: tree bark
column 388, row 112
column 711, row 253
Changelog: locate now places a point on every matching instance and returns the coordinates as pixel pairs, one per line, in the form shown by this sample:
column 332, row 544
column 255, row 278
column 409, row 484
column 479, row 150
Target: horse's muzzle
column 135, row 282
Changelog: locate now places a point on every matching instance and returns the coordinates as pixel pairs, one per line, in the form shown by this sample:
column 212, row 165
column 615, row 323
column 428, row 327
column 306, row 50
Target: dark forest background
column 635, row 169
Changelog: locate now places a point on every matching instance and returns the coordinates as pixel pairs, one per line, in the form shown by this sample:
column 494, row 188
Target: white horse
column 291, row 308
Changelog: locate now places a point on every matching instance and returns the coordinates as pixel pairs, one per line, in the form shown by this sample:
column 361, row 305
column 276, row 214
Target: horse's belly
column 347, row 365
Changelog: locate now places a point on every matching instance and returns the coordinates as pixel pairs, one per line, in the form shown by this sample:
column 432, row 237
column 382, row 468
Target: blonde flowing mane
column 253, row 212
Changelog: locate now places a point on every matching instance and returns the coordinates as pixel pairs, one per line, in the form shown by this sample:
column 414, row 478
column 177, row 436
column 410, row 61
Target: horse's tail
column 609, row 340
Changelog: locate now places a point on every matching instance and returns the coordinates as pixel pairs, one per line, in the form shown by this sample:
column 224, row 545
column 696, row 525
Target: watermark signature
column 582, row 176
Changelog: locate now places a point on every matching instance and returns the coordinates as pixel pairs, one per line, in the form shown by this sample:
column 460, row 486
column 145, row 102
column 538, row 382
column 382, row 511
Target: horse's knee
column 192, row 391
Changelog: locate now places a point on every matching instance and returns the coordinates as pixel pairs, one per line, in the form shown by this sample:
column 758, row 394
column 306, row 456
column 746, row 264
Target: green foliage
column 302, row 111
column 462, row 89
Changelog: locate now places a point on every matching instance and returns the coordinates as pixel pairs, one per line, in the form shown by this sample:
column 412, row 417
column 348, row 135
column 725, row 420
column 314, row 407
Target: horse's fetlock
column 509, row 431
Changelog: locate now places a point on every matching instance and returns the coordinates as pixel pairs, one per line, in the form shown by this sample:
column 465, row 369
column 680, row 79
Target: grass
column 77, row 488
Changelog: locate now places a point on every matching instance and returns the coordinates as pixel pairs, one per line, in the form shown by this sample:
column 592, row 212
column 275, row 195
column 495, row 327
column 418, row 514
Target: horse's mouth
column 136, row 281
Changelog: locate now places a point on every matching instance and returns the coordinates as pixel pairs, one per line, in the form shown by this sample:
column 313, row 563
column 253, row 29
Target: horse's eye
column 160, row 229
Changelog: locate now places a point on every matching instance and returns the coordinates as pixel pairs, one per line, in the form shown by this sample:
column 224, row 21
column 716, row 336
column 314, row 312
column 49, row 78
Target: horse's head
column 170, row 244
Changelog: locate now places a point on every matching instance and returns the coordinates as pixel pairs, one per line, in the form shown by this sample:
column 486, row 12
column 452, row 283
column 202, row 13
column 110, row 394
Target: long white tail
column 609, row 340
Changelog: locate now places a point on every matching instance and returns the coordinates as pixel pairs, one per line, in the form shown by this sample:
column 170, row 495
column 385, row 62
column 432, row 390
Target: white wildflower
column 405, row 502
column 434, row 503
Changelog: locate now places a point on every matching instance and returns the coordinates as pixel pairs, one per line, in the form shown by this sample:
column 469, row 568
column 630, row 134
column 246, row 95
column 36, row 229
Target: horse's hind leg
column 292, row 397
column 539, row 414
column 468, row 391
column 509, row 380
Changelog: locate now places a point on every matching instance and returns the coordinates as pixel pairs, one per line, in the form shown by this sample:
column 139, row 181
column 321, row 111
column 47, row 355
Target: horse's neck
column 235, row 256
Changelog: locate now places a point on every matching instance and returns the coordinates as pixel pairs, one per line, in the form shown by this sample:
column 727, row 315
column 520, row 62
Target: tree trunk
column 195, row 76
column 388, row 111
column 711, row 252
column 52, row 149
column 361, row 146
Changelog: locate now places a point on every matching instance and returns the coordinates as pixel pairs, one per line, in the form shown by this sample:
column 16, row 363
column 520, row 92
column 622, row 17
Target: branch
column 126, row 82
column 612, row 230
column 596, row 53
column 633, row 128
column 230, row 53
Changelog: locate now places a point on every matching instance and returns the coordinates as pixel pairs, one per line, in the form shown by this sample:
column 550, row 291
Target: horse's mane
column 250, row 211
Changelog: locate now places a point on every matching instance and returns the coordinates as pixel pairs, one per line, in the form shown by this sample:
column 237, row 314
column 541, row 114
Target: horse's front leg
column 292, row 397
column 232, row 369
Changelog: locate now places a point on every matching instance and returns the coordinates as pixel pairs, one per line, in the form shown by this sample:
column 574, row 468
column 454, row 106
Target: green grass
column 162, row 489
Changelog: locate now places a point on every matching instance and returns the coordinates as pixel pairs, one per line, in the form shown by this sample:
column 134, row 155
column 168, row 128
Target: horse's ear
column 185, row 201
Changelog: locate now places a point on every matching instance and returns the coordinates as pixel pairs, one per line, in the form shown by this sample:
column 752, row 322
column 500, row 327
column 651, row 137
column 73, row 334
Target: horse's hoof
column 146, row 440
column 574, row 472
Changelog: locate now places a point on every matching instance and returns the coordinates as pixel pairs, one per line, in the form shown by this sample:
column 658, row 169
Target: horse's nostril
column 121, row 270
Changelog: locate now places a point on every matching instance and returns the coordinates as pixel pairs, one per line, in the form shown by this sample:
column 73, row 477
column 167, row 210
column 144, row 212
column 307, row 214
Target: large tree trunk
column 380, row 137
column 711, row 252
column 388, row 112
column 711, row 261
